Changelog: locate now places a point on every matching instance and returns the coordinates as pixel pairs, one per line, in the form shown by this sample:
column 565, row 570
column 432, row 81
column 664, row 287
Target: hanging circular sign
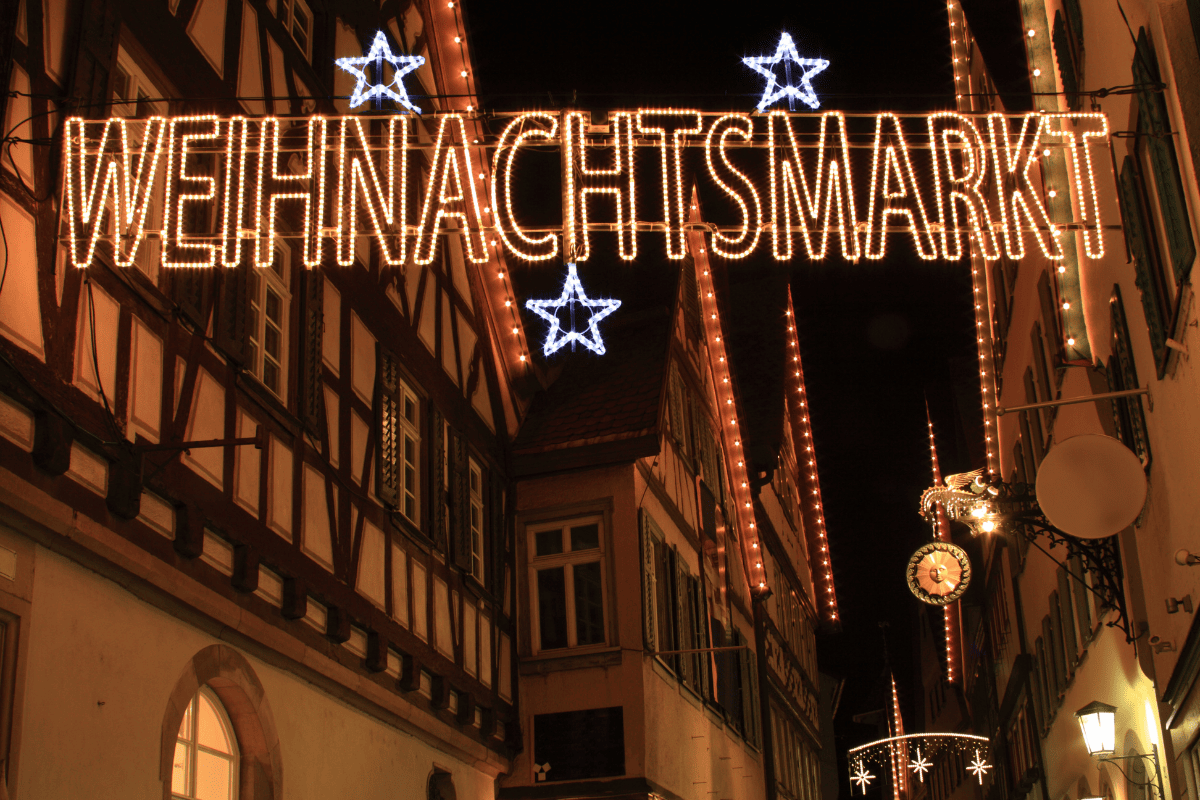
column 938, row 573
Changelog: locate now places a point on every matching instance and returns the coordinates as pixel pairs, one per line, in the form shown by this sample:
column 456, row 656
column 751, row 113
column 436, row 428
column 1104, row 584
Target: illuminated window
column 205, row 766
column 270, row 300
column 298, row 19
column 566, row 577
column 476, row 521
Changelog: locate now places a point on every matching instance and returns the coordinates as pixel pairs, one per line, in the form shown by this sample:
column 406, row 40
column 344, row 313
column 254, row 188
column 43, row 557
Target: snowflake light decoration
column 862, row 777
column 401, row 66
column 920, row 765
column 979, row 767
column 572, row 295
column 775, row 91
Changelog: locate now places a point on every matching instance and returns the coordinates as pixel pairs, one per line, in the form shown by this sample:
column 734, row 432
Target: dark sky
column 877, row 337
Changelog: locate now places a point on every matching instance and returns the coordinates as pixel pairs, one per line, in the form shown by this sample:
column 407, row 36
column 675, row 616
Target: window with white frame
column 205, row 766
column 297, row 17
column 567, row 586
column 267, row 329
column 476, row 521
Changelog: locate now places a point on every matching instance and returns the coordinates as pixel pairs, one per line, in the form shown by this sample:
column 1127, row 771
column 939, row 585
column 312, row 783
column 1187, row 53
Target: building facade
column 1045, row 638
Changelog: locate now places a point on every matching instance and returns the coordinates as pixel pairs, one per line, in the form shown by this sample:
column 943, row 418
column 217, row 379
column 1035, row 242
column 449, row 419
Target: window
column 566, row 571
column 476, row 521
column 297, row 18
column 266, row 345
column 398, row 481
column 206, row 753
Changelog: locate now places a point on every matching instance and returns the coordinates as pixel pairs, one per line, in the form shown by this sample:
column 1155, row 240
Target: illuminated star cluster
column 776, row 91
column 380, row 52
column 572, row 295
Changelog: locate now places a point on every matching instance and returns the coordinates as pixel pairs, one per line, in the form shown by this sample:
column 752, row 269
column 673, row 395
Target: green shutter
column 649, row 626
column 229, row 327
column 1128, row 415
column 437, row 477
column 387, row 414
column 1136, row 227
column 1065, row 55
column 1067, row 620
column 1155, row 123
column 460, row 502
column 312, row 316
column 498, row 530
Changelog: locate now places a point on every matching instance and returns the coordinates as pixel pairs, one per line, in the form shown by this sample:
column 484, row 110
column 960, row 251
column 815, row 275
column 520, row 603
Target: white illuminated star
column 774, row 91
column 919, row 765
column 978, row 767
column 862, row 777
column 572, row 295
column 401, row 66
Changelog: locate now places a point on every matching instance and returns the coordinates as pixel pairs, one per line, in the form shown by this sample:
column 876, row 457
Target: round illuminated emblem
column 938, row 573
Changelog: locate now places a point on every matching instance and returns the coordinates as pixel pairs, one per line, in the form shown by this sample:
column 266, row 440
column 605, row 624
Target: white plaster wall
column 93, row 642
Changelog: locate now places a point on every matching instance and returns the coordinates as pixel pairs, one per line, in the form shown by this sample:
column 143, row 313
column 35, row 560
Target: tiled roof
column 599, row 399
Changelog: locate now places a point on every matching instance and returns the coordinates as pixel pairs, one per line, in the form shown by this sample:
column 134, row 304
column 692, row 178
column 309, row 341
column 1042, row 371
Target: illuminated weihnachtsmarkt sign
column 216, row 191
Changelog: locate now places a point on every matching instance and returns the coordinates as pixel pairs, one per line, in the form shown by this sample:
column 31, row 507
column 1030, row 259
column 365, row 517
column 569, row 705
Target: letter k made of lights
column 776, row 91
column 401, row 66
column 573, row 295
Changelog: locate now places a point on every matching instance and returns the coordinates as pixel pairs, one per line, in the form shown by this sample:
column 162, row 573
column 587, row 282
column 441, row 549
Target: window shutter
column 192, row 291
column 1081, row 599
column 498, row 529
column 708, row 512
column 750, row 695
column 1154, row 121
column 1064, row 52
column 1136, row 226
column 312, row 317
column 460, row 526
column 437, row 476
column 1035, row 687
column 1122, row 374
column 1067, row 619
column 683, row 616
column 91, row 80
column 229, row 326
column 387, row 459
column 648, row 584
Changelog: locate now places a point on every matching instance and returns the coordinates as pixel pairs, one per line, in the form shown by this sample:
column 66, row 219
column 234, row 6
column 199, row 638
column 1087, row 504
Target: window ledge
column 542, row 664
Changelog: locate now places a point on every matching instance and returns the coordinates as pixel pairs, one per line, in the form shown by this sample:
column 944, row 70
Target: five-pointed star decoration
column 573, row 295
column 979, row 767
column 775, row 90
column 862, row 777
column 401, row 66
column 919, row 765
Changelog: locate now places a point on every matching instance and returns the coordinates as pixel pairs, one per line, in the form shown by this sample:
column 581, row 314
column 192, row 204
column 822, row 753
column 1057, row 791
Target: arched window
column 206, row 752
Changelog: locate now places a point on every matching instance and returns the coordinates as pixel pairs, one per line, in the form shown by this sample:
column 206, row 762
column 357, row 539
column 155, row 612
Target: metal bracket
column 258, row 439
column 1073, row 400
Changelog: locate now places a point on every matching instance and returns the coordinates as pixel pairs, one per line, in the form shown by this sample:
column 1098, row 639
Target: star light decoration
column 862, row 777
column 775, row 91
column 979, row 767
column 920, row 765
column 572, row 295
column 401, row 66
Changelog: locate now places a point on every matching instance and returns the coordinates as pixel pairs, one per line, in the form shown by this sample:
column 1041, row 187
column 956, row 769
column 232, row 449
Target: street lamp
column 1097, row 721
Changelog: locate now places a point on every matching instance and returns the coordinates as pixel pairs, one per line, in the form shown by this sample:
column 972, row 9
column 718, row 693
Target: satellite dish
column 1091, row 486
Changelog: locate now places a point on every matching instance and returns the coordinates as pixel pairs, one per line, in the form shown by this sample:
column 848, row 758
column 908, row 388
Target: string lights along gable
column 573, row 295
column 776, row 90
column 380, row 52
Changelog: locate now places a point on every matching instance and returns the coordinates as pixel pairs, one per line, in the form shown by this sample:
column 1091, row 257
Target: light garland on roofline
column 812, row 510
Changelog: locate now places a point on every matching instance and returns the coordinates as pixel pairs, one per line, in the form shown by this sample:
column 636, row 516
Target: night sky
column 877, row 338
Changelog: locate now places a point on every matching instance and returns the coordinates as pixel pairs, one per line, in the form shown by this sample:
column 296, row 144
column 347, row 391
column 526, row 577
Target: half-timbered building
column 253, row 518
